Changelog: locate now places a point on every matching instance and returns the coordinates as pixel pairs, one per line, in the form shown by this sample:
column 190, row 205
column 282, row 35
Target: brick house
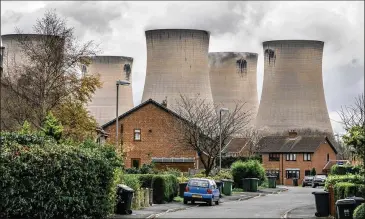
column 294, row 156
column 237, row 147
column 149, row 133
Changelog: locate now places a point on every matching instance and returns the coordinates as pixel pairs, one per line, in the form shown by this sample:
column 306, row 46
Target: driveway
column 269, row 206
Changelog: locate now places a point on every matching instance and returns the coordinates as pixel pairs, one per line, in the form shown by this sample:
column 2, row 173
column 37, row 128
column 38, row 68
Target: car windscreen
column 199, row 183
column 321, row 177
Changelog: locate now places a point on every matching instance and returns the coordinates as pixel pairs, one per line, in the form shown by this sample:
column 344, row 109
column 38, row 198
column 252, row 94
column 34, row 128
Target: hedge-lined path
column 263, row 206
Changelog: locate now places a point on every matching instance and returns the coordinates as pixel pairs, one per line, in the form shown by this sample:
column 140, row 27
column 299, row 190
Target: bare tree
column 201, row 125
column 253, row 135
column 48, row 75
column 353, row 115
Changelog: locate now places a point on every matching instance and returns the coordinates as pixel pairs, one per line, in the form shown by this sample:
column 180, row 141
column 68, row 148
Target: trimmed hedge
column 334, row 179
column 58, row 181
column 228, row 161
column 345, row 169
column 24, row 139
column 345, row 189
column 249, row 169
column 359, row 212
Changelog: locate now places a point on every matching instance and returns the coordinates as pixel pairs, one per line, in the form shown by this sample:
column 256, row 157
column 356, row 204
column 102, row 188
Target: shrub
column 147, row 169
column 223, row 174
column 24, row 139
column 228, row 161
column 313, row 172
column 131, row 181
column 165, row 188
column 57, row 181
column 145, row 180
column 132, row 170
column 346, row 189
column 173, row 171
column 359, row 212
column 334, row 179
column 249, row 169
column 345, row 169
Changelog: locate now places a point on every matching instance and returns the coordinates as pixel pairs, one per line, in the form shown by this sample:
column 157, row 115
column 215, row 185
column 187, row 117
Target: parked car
column 307, row 181
column 319, row 180
column 201, row 189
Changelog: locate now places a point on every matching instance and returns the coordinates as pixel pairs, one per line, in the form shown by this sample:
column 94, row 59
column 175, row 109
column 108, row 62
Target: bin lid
column 124, row 187
column 345, row 202
column 320, row 193
column 227, row 180
column 359, row 199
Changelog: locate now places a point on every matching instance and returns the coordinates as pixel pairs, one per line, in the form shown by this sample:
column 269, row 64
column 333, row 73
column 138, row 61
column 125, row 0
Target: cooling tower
column 110, row 69
column 233, row 80
column 292, row 94
column 177, row 63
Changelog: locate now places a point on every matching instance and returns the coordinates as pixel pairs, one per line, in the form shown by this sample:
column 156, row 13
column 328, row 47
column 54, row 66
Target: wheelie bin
column 358, row 200
column 345, row 208
column 295, row 181
column 124, row 199
column 272, row 181
column 322, row 203
column 227, row 186
column 182, row 187
column 250, row 184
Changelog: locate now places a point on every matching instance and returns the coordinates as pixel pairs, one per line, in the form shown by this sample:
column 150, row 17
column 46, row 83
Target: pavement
column 306, row 212
column 157, row 210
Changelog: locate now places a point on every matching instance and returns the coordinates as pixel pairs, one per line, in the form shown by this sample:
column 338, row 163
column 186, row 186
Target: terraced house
column 294, row 156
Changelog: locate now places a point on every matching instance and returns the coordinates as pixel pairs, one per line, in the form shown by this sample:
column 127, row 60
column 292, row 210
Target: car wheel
column 217, row 202
column 185, row 201
column 192, row 202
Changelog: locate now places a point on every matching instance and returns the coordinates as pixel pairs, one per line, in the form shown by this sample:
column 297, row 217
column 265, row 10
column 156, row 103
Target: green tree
column 313, row 172
column 52, row 127
column 355, row 137
column 26, row 129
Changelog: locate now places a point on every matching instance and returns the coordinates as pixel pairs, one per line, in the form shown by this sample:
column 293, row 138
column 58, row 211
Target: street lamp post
column 220, row 136
column 119, row 82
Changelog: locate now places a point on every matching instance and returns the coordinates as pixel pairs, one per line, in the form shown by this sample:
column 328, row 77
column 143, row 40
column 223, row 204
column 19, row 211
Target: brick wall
column 159, row 136
column 318, row 161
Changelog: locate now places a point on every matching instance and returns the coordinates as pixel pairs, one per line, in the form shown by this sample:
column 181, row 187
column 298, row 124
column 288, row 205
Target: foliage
column 355, row 137
column 145, row 180
column 131, row 181
column 182, row 179
column 57, row 181
column 347, row 189
column 249, row 169
column 52, row 127
column 237, row 190
column 359, row 212
column 145, row 169
column 313, row 172
column 228, row 161
column 178, row 199
column 223, row 174
column 334, row 179
column 203, row 129
column 24, row 139
column 344, row 169
column 165, row 188
column 173, row 171
column 26, row 129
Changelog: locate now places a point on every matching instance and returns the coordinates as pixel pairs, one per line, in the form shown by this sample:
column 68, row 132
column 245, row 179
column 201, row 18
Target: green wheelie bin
column 272, row 181
column 227, row 186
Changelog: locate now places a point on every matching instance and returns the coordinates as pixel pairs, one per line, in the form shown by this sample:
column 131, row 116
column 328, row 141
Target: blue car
column 201, row 189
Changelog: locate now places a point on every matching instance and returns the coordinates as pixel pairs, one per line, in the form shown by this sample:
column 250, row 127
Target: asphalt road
column 269, row 206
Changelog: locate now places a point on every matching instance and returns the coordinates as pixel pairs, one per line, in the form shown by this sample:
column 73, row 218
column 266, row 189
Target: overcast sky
column 235, row 26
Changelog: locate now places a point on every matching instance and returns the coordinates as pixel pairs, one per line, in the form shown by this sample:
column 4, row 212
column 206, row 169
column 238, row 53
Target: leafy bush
column 359, row 212
column 228, row 161
column 173, row 171
column 346, row 189
column 345, row 169
column 132, row 170
column 145, row 180
column 334, row 179
column 24, row 138
column 145, row 169
column 165, row 188
column 131, row 181
column 249, row 169
column 223, row 174
column 58, row 181
column 313, row 172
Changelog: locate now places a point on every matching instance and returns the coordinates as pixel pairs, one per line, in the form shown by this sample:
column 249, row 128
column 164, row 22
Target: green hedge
column 334, row 179
column 24, row 139
column 249, row 169
column 345, row 189
column 345, row 169
column 359, row 212
column 58, row 181
column 165, row 188
column 145, row 180
column 228, row 161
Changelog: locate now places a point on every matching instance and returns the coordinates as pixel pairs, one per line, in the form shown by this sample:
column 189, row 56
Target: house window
column 273, row 173
column 328, row 157
column 307, row 157
column 274, row 157
column 291, row 157
column 137, row 134
column 290, row 174
column 135, row 162
column 307, row 173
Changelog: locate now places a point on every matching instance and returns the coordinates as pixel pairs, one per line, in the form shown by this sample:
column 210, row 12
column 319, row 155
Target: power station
column 233, row 81
column 177, row 63
column 292, row 93
column 110, row 69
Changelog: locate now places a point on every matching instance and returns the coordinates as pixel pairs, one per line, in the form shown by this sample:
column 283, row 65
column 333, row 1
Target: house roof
column 150, row 101
column 330, row 163
column 236, row 145
column 299, row 144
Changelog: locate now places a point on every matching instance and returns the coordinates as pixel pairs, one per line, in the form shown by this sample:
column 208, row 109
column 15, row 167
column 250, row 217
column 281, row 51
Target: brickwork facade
column 159, row 137
column 319, row 159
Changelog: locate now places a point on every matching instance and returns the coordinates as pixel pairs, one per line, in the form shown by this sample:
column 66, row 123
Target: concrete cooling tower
column 110, row 69
column 292, row 94
column 233, row 80
column 177, row 62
